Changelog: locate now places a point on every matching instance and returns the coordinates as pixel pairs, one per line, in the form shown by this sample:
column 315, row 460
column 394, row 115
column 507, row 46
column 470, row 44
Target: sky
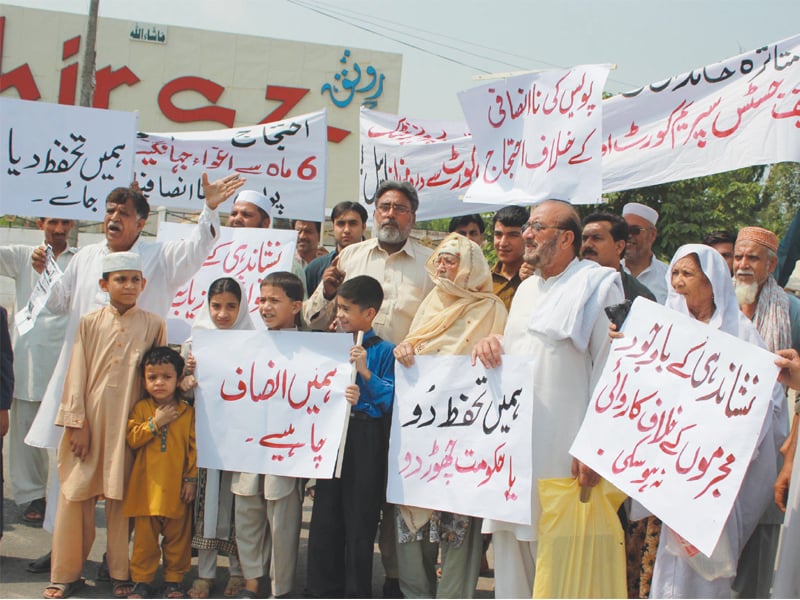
column 447, row 43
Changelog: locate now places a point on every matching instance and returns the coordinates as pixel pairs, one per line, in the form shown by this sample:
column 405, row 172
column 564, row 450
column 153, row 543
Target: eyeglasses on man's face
column 386, row 207
column 636, row 229
column 538, row 227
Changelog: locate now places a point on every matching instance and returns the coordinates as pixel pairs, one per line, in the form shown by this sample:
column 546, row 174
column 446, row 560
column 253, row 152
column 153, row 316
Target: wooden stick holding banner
column 343, row 441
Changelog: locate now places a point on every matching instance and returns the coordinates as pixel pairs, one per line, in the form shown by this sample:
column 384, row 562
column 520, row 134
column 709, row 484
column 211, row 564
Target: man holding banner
column 557, row 317
column 36, row 353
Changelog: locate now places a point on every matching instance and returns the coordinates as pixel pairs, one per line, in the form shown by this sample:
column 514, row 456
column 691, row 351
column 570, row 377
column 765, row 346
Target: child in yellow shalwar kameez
column 163, row 481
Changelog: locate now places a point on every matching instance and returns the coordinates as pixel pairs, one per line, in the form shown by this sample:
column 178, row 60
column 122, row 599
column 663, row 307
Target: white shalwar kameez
column 560, row 322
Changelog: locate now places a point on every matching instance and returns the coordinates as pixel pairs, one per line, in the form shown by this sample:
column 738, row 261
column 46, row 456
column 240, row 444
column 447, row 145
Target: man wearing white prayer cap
column 250, row 209
column 639, row 259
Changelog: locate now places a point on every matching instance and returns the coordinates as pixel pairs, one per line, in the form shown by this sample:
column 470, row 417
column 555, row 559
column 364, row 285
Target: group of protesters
column 95, row 379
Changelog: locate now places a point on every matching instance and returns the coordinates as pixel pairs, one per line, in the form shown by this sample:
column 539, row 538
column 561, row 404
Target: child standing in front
column 163, row 482
column 214, row 529
column 269, row 507
column 346, row 510
column 94, row 460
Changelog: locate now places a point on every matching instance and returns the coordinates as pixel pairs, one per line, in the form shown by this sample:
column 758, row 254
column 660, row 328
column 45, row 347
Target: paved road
column 22, row 543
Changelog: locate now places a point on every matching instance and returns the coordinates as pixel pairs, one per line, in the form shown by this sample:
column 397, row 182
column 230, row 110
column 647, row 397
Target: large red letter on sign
column 20, row 78
column 108, row 79
column 205, row 87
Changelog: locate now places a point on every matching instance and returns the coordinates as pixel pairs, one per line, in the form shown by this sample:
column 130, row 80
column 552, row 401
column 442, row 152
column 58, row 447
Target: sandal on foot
column 120, row 588
column 234, row 586
column 140, row 590
column 34, row 513
column 172, row 590
column 64, row 590
column 201, row 588
column 245, row 593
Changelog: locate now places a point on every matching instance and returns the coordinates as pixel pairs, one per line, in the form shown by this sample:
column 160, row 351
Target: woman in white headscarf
column 459, row 311
column 700, row 286
column 225, row 308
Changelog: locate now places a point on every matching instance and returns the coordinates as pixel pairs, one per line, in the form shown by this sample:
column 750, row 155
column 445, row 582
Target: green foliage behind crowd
column 689, row 209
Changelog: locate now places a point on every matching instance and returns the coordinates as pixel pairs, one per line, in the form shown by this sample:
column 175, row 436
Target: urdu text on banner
column 242, row 253
column 62, row 161
column 285, row 160
column 461, row 437
column 538, row 137
column 740, row 112
column 437, row 157
column 675, row 417
column 271, row 401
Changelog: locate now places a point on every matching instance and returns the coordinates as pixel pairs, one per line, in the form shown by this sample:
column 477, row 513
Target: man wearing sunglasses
column 639, row 260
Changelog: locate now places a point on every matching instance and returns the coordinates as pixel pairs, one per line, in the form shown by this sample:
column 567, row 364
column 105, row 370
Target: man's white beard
column 746, row 293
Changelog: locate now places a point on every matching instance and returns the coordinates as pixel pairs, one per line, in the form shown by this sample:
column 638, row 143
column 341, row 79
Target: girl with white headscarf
column 459, row 311
column 225, row 308
column 700, row 286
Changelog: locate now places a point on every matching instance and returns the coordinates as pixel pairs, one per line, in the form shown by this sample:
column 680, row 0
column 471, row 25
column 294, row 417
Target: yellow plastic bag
column 581, row 547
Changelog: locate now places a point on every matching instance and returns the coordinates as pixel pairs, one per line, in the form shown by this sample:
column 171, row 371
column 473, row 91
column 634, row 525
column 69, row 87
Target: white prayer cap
column 121, row 261
column 641, row 210
column 253, row 197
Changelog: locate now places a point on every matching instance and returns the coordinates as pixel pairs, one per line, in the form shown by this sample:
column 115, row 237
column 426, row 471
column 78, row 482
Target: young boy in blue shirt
column 346, row 510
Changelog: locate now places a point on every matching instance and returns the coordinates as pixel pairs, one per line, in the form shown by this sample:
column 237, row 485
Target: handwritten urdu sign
column 461, row 437
column 538, row 136
column 62, row 161
column 286, row 160
column 242, row 253
column 674, row 420
column 271, row 401
column 740, row 112
column 437, row 157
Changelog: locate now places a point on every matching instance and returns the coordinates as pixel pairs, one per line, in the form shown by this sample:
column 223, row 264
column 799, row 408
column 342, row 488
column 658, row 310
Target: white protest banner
column 740, row 112
column 437, row 157
column 242, row 253
column 285, row 160
column 674, row 420
column 461, row 437
column 538, row 136
column 271, row 401
column 62, row 161
column 25, row 318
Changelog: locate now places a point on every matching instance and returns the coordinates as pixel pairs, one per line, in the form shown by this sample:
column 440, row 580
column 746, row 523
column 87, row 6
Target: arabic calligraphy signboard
column 740, row 112
column 438, row 158
column 62, row 161
column 675, row 417
column 461, row 437
column 286, row 160
column 242, row 253
column 271, row 401
column 538, row 136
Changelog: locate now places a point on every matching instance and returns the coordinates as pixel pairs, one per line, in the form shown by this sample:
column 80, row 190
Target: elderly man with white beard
column 776, row 316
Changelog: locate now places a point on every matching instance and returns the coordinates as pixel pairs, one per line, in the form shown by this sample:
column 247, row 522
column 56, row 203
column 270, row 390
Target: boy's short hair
column 162, row 355
column 465, row 220
column 288, row 282
column 347, row 206
column 363, row 291
column 511, row 216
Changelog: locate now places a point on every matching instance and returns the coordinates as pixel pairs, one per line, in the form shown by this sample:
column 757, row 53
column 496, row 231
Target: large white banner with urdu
column 271, row 401
column 437, row 157
column 461, row 437
column 62, row 161
column 675, row 417
column 285, row 160
column 538, row 136
column 740, row 112
column 242, row 253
